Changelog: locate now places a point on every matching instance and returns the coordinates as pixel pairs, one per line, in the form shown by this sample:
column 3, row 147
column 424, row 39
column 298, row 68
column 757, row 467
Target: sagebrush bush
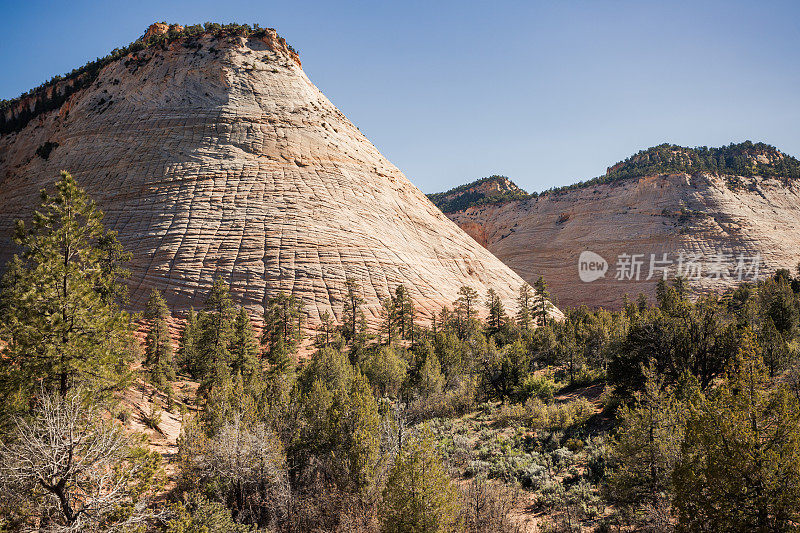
column 535, row 414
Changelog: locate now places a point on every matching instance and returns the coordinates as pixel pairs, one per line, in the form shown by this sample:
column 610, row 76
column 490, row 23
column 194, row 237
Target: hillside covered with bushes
column 746, row 159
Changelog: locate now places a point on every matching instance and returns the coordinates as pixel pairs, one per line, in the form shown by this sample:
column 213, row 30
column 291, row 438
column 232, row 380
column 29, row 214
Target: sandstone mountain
column 212, row 154
column 713, row 211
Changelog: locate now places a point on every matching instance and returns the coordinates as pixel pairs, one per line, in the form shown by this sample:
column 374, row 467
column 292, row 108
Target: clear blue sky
column 546, row 93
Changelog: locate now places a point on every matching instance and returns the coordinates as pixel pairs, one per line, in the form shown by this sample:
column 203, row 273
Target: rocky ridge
column 720, row 220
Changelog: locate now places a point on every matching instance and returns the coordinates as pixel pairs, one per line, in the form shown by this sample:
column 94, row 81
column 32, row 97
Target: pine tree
column 352, row 312
column 465, row 309
column 568, row 352
column 541, row 303
column 280, row 359
column 525, row 304
column 283, row 321
column 215, row 325
column 326, row 330
column 112, row 260
column 243, row 346
column 497, row 313
column 446, row 319
column 419, row 496
column 740, row 467
column 404, row 312
column 775, row 352
column 388, row 317
column 465, row 304
column 61, row 325
column 158, row 343
column 431, row 379
column 188, row 359
column 645, row 451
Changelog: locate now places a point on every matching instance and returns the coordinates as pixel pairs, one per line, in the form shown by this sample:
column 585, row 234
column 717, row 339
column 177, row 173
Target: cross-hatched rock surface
column 713, row 220
column 223, row 159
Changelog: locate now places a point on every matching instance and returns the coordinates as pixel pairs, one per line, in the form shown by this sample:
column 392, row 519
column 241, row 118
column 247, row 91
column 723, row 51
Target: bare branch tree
column 246, row 464
column 76, row 471
column 485, row 507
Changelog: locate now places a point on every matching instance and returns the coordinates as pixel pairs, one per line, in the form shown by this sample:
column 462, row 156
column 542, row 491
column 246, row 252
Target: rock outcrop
column 214, row 155
column 704, row 220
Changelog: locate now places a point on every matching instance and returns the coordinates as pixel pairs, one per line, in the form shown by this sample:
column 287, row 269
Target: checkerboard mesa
column 213, row 155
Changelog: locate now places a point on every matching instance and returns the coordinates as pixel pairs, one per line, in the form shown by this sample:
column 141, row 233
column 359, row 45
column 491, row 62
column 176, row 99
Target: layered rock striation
column 213, row 155
column 714, row 227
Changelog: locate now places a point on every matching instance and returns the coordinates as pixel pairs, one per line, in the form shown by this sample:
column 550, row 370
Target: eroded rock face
column 695, row 214
column 158, row 28
column 221, row 158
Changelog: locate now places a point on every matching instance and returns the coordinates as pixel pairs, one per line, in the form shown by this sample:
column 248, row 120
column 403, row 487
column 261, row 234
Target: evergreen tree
column 778, row 303
column 497, row 313
column 449, row 350
column 359, row 433
column 431, row 379
column 283, row 320
column 388, row 314
column 188, row 359
column 353, row 315
column 243, row 346
column 419, row 496
column 541, row 302
column 339, row 435
column 215, row 325
column 385, row 369
column 465, row 304
column 446, row 322
column 568, row 351
column 281, row 360
column 60, row 323
column 404, row 312
column 465, row 309
column 326, row 331
column 740, row 469
column 684, row 337
column 645, row 451
column 158, row 343
column 775, row 352
column 525, row 304
column 504, row 370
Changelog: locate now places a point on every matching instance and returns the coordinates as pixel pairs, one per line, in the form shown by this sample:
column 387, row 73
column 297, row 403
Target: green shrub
column 197, row 514
column 537, row 386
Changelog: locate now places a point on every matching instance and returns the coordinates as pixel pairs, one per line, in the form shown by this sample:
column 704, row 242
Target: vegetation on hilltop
column 732, row 160
column 464, row 196
column 680, row 415
column 740, row 159
column 81, row 77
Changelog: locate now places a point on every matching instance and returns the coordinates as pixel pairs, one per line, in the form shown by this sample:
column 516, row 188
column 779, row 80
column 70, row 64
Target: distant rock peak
column 485, row 191
column 16, row 113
